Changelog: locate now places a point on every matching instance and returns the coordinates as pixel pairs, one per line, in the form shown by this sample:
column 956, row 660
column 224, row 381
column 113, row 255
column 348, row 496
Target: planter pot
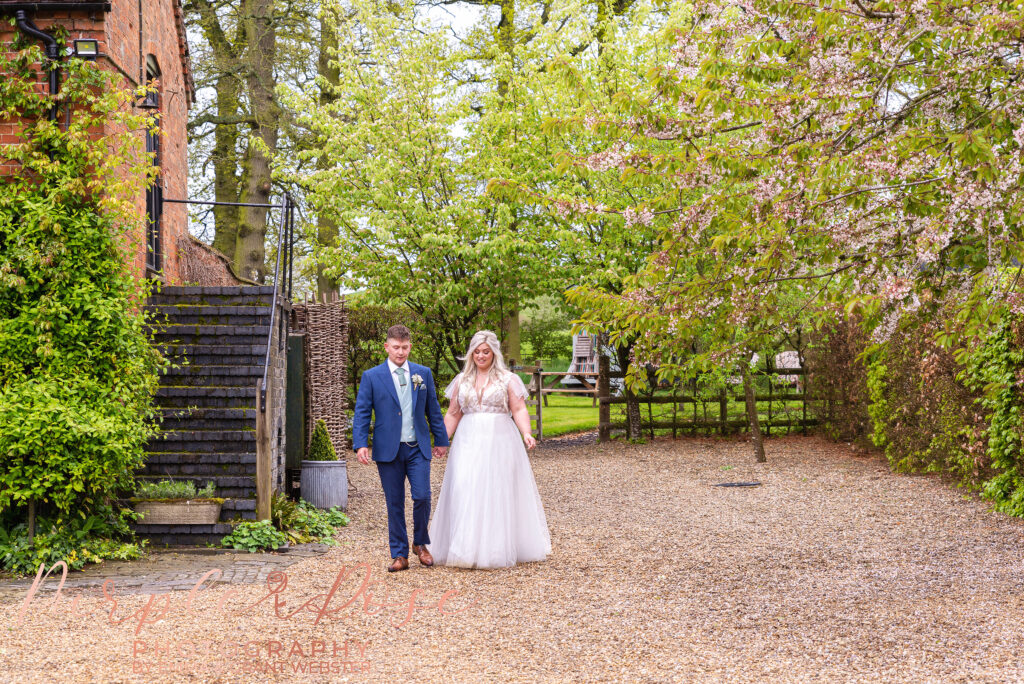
column 325, row 483
column 185, row 512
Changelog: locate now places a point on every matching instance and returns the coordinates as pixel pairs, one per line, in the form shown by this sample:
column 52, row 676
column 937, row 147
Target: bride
column 489, row 513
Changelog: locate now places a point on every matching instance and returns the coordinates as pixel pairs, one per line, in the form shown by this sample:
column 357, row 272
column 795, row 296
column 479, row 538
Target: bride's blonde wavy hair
column 498, row 368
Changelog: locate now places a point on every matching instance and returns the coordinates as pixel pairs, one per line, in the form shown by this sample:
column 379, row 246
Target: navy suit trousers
column 409, row 463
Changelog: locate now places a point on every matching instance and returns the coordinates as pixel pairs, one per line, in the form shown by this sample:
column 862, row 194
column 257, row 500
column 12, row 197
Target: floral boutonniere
column 417, row 381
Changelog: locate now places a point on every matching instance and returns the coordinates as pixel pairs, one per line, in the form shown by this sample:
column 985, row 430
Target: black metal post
column 291, row 247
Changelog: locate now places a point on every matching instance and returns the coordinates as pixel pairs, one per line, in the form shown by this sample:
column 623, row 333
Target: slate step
column 203, row 402
column 204, row 360
column 206, row 397
column 204, row 441
column 213, row 459
column 212, row 376
column 238, row 508
column 215, row 289
column 223, row 371
column 207, row 418
column 200, row 472
column 201, row 436
column 214, row 354
column 183, row 535
column 211, row 382
column 211, row 300
column 211, row 338
column 184, row 309
column 178, row 424
column 206, row 316
column 211, row 334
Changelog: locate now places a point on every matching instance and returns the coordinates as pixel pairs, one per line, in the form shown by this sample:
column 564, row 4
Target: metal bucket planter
column 179, row 512
column 325, row 483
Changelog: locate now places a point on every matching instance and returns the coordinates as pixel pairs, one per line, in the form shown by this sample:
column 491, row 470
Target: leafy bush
column 367, row 327
column 924, row 417
column 955, row 411
column 546, row 330
column 77, row 372
column 320, row 447
column 254, row 536
column 304, row 523
column 837, row 381
column 995, row 372
column 76, row 541
column 174, row 489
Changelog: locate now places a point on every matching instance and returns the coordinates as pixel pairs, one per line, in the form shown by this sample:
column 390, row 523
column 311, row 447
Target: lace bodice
column 493, row 399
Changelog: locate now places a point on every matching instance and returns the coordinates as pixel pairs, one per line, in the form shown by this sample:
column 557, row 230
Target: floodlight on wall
column 87, row 48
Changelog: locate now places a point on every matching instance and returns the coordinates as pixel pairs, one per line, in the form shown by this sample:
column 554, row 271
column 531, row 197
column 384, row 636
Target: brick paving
column 164, row 570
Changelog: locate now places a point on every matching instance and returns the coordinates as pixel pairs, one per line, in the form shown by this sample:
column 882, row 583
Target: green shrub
column 174, row 489
column 995, row 371
column 320, row 447
column 837, row 381
column 960, row 412
column 921, row 414
column 77, row 372
column 255, row 536
column 76, row 541
column 546, row 330
column 304, row 523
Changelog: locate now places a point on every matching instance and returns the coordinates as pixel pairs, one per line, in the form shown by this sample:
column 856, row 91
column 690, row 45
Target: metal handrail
column 285, row 227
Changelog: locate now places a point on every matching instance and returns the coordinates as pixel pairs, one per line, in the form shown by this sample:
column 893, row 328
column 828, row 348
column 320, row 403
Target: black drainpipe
column 28, row 28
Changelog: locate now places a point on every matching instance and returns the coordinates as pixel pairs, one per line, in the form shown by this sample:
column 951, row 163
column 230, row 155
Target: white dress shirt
column 408, row 429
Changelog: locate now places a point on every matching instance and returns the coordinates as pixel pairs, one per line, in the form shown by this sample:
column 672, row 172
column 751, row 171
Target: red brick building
column 144, row 41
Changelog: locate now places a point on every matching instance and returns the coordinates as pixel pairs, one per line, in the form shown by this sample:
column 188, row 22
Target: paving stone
column 172, row 570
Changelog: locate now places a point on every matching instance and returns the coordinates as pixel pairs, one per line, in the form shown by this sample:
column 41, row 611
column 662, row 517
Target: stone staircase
column 217, row 338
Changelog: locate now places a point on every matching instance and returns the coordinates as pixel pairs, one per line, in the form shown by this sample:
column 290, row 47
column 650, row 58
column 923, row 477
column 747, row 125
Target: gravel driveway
column 833, row 569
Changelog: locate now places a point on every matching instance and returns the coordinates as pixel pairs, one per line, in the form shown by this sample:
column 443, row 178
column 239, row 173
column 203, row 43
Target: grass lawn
column 566, row 413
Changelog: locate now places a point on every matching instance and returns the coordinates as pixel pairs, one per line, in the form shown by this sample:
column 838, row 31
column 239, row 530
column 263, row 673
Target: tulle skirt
column 489, row 513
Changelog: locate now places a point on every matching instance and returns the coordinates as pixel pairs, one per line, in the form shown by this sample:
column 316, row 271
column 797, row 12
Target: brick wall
column 125, row 49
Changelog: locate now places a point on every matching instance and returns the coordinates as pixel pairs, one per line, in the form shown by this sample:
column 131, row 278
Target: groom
column 401, row 396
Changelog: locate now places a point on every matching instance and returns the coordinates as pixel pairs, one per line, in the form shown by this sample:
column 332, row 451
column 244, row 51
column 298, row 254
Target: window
column 154, row 194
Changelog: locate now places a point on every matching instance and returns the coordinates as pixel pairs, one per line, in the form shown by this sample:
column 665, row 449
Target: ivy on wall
column 77, row 372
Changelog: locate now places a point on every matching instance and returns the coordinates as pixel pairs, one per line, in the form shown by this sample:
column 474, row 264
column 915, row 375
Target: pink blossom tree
column 815, row 155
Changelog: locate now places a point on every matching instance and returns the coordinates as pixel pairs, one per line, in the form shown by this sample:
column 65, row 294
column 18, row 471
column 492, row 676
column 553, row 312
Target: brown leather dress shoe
column 400, row 563
column 424, row 555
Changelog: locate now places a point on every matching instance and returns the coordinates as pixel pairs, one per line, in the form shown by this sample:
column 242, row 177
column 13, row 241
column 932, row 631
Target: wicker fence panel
column 326, row 330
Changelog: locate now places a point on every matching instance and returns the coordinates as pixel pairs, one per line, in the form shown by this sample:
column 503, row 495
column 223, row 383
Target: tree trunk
column 327, row 229
column 225, row 166
column 634, row 423
column 261, row 38
column 633, row 420
column 513, row 345
column 755, row 424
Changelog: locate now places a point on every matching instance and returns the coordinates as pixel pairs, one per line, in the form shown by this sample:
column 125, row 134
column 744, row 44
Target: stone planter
column 325, row 483
column 179, row 512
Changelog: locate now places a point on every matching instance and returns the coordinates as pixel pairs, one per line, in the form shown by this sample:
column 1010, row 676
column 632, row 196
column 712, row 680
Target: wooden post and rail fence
column 698, row 421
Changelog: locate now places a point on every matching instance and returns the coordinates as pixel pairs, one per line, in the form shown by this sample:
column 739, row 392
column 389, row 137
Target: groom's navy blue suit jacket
column 377, row 394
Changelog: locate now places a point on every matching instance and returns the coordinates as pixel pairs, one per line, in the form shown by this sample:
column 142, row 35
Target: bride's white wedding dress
column 489, row 513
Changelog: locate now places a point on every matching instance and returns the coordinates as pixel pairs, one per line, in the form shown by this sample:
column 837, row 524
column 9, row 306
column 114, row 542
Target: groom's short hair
column 399, row 332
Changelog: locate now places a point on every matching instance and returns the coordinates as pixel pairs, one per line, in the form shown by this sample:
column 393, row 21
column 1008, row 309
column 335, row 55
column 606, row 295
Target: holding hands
column 441, row 451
